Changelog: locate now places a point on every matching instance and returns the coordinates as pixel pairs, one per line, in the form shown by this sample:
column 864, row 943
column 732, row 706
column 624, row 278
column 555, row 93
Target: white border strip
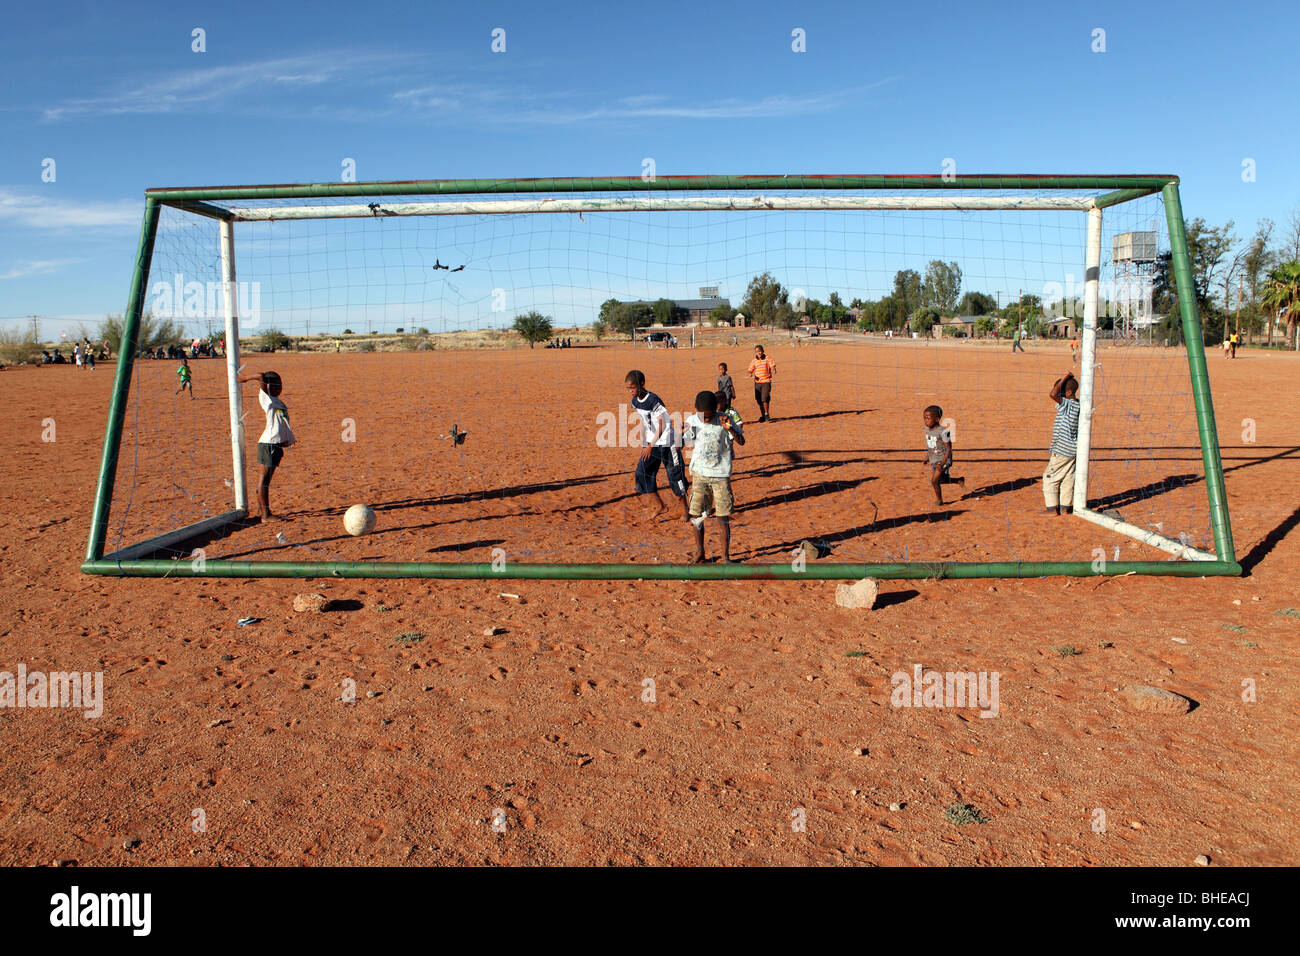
column 654, row 203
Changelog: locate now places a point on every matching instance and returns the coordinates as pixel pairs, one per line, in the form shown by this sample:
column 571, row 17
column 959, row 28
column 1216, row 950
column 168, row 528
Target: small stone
column 859, row 594
column 1202, row 860
column 1255, row 598
column 1154, row 700
column 309, row 603
column 861, row 752
column 1237, row 602
column 130, row 844
column 227, row 657
column 511, row 597
column 1179, row 640
column 809, row 549
column 372, row 693
column 493, row 631
column 1135, row 824
column 65, row 863
column 895, row 807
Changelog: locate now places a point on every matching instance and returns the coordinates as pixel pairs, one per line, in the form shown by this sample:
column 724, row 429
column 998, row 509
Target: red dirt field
column 770, row 704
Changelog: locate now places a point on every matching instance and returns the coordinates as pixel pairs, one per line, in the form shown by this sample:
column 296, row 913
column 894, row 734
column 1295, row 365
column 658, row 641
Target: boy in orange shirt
column 761, row 371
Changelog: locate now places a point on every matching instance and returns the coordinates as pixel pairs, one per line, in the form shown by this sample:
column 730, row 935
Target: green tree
column 907, row 293
column 835, row 301
column 764, row 298
column 984, row 325
column 533, row 327
column 977, row 303
column 941, row 287
column 1207, row 246
column 721, row 314
column 923, row 320
column 1256, row 263
column 665, row 311
column 1282, row 295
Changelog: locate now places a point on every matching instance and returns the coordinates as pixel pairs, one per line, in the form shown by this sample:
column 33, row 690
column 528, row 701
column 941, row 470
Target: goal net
column 454, row 353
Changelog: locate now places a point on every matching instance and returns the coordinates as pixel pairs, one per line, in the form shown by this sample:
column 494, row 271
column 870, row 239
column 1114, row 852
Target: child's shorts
column 648, row 468
column 711, row 494
column 269, row 455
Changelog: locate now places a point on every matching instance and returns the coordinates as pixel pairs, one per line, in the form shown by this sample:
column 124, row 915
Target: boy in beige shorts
column 710, row 470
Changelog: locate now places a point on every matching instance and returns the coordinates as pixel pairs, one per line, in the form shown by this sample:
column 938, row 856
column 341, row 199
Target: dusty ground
column 770, row 705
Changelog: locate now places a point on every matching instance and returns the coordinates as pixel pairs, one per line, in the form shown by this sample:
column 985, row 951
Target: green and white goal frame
column 578, row 195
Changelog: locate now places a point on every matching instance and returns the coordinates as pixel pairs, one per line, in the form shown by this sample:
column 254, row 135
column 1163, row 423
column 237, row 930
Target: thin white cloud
column 34, row 209
column 38, row 267
column 368, row 86
column 191, row 88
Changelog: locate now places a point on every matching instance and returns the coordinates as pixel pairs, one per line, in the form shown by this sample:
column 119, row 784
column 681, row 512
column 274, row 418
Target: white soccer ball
column 359, row 520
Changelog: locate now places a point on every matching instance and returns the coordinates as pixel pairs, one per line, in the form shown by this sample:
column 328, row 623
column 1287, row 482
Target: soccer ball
column 359, row 520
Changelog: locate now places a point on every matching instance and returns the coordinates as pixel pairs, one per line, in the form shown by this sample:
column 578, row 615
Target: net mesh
column 399, row 327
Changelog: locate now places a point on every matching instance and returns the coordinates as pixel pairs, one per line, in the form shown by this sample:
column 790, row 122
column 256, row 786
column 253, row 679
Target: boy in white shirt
column 710, row 469
column 274, row 438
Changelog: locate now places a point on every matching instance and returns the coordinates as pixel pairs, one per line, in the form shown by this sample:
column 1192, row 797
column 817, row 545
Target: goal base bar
column 657, row 572
column 1143, row 536
column 173, row 539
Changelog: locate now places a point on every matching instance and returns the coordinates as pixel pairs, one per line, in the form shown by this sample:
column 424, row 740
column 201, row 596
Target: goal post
column 204, row 227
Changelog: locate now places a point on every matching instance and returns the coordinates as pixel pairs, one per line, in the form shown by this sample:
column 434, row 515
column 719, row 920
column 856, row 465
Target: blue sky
column 118, row 99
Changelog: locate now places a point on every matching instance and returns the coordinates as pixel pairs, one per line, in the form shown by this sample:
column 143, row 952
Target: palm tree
column 1282, row 294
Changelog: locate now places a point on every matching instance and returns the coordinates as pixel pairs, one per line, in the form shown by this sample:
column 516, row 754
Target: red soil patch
column 759, row 710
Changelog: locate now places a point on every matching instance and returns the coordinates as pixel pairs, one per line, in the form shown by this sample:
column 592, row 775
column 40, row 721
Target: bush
column 17, row 347
column 400, row 329
column 151, row 334
column 275, row 340
column 954, row 332
column 348, row 332
column 367, row 346
column 423, row 330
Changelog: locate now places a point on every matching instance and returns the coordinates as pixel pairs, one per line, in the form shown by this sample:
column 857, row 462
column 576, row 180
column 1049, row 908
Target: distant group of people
column 560, row 344
column 84, row 355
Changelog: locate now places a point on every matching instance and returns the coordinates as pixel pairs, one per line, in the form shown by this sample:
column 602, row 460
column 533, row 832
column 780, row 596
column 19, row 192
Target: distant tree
column 923, row 320
column 941, row 287
column 1282, row 294
column 533, row 327
column 721, row 314
column 348, row 332
column 423, row 330
column 666, row 311
column 907, row 292
column 977, row 303
column 764, row 298
column 1255, row 265
column 835, row 301
column 1207, row 246
column 984, row 325
column 400, row 330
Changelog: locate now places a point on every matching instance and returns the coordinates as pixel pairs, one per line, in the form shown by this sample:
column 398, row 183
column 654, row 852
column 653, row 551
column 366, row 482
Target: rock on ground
column 1154, row 700
column 310, row 603
column 859, row 594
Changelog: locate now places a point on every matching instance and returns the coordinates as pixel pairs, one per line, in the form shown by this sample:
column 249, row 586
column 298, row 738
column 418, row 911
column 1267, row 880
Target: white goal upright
column 432, row 257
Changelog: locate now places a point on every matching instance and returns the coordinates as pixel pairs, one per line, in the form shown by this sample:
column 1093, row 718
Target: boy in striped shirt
column 761, row 371
column 1058, row 479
